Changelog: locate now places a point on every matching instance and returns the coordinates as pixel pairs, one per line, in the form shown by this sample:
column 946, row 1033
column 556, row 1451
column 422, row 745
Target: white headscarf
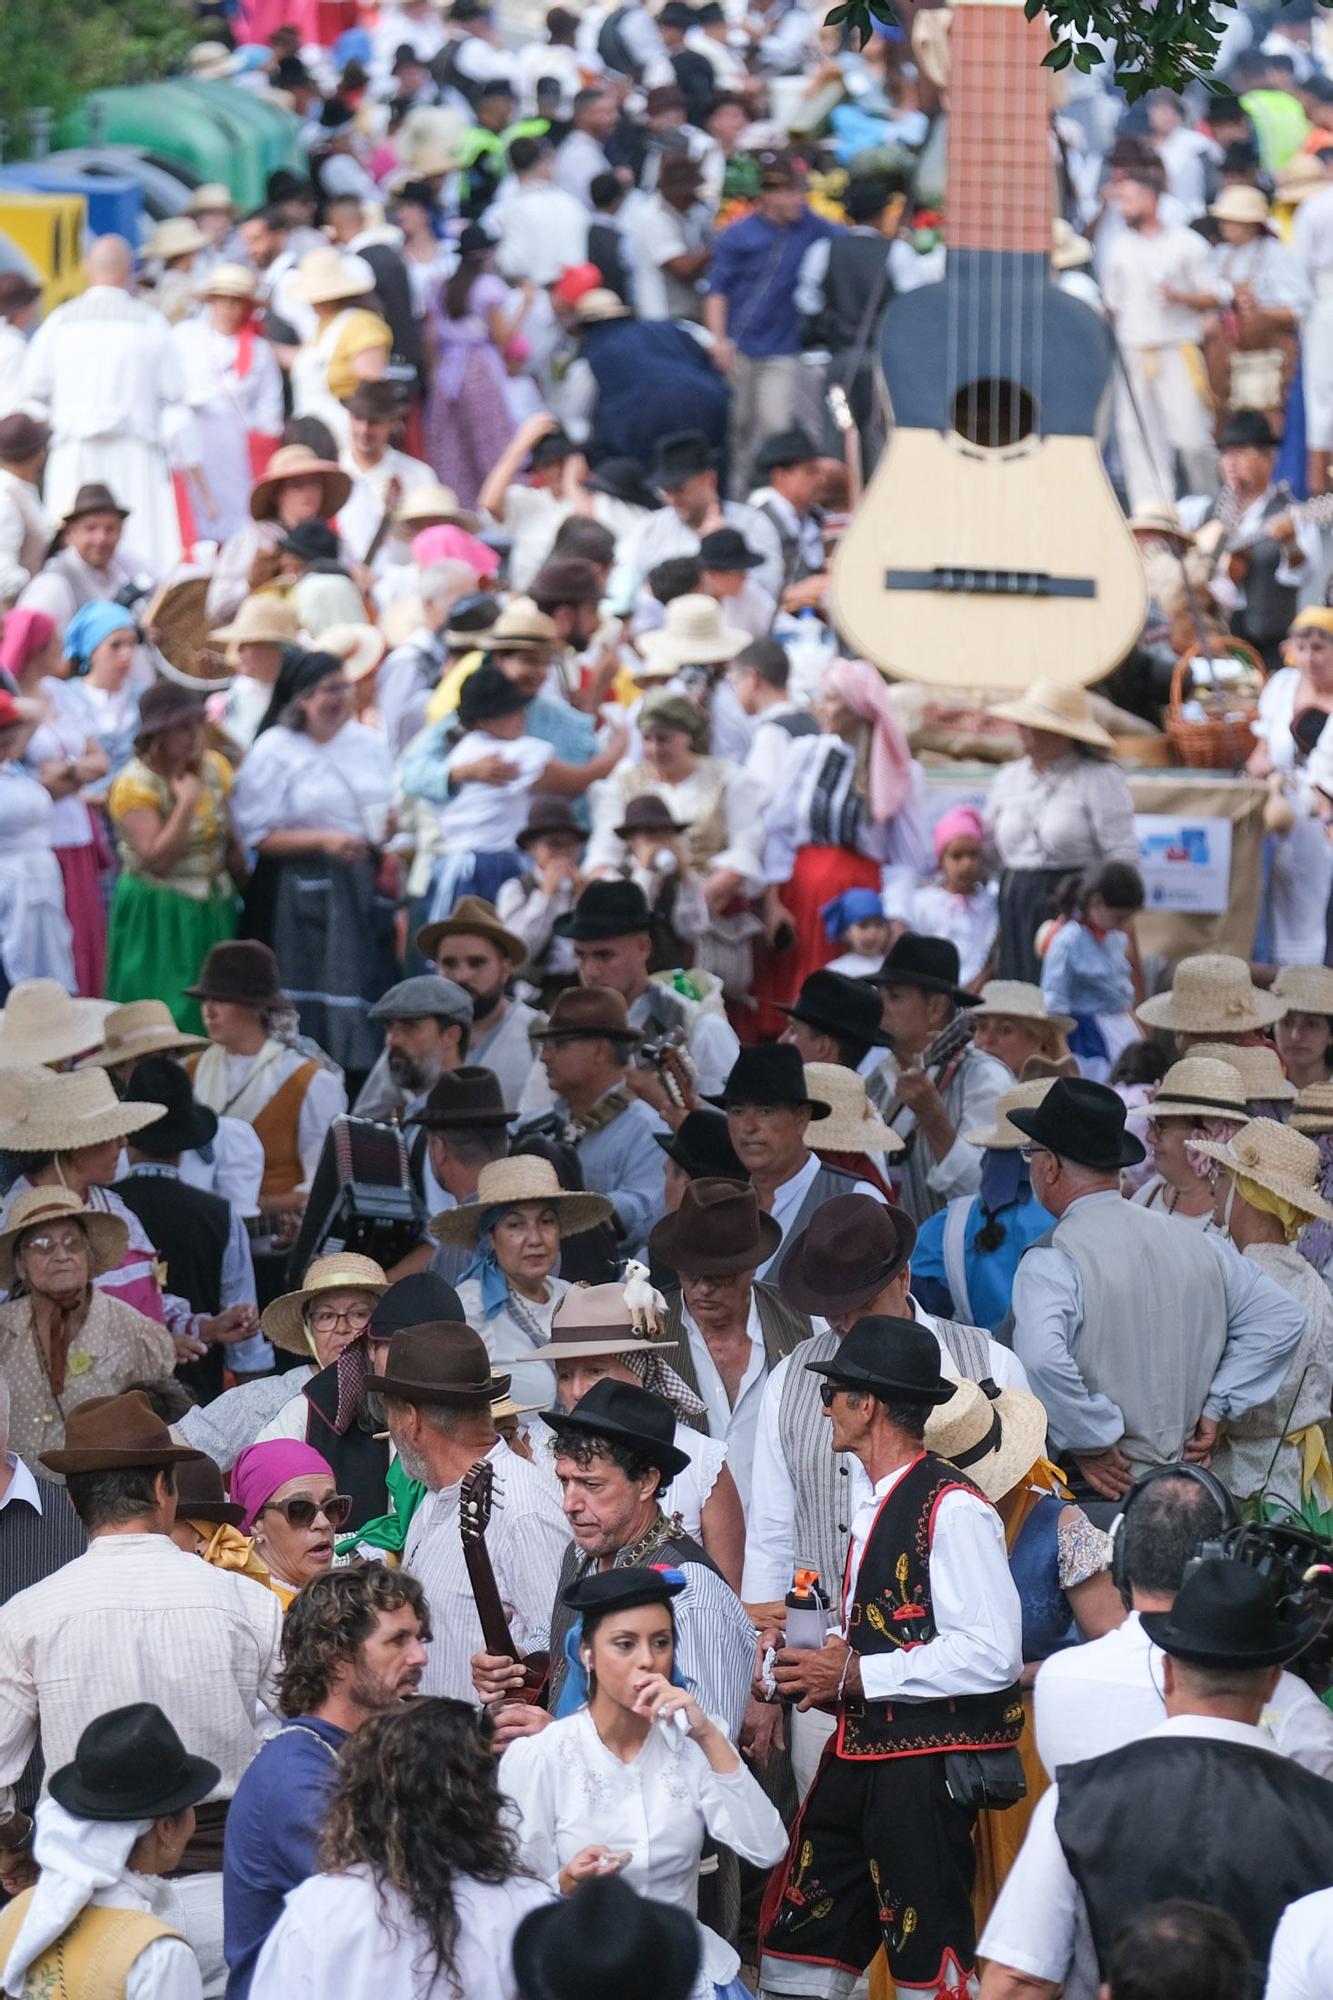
column 77, row 1857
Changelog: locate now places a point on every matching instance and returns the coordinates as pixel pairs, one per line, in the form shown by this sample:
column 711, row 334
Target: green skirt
column 157, row 941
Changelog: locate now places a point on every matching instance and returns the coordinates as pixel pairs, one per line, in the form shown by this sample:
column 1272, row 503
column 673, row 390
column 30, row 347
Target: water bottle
column 807, row 1612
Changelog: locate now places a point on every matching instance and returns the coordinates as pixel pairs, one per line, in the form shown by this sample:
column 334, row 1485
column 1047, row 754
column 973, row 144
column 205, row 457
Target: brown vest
column 92, row 1959
column 276, row 1127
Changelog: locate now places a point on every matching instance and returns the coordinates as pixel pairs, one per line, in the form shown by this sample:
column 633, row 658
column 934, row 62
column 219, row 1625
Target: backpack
column 612, row 49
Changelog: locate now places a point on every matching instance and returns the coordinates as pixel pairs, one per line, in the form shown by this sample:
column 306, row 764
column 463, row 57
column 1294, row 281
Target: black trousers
column 879, row 1854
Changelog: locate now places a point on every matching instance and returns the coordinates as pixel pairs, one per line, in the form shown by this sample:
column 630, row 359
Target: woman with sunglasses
column 291, row 1508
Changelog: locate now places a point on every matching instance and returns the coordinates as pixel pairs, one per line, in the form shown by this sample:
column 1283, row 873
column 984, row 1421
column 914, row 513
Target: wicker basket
column 1221, row 744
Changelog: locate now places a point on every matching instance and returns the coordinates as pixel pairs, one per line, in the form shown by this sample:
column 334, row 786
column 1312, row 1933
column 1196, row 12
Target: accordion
column 362, row 1198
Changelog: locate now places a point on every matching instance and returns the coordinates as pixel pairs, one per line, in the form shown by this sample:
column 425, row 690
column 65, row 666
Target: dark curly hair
column 418, row 1803
column 583, row 1449
column 329, row 1623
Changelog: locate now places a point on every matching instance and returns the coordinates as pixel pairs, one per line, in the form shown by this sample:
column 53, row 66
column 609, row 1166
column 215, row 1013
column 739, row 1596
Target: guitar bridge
column 991, row 582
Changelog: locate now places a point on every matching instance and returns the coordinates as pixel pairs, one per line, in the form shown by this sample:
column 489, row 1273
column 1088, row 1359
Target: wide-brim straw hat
column 76, row 1109
column 1307, row 989
column 41, row 1023
column 993, row 1435
column 1002, row 1137
column 519, row 626
column 1313, row 1109
column 693, row 635
column 108, row 1237
column 212, row 195
column 600, row 304
column 343, row 1272
column 298, row 461
column 1212, row 994
column 506, row 1183
column 360, row 648
column 1069, row 250
column 1158, row 517
column 324, row 276
column 1240, row 204
column 141, row 1028
column 1258, row 1066
column 1017, row 1000
column 431, row 504
column 229, row 281
column 178, row 236
column 263, row 620
column 1200, row 1087
column 1061, row 711
column 1302, row 176
column 1287, row 1163
column 853, row 1125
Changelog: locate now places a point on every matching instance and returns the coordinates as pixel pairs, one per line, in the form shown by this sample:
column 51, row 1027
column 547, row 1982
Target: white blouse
column 572, row 1792
column 507, row 1337
column 64, row 733
column 743, row 806
column 1073, row 814
column 289, row 782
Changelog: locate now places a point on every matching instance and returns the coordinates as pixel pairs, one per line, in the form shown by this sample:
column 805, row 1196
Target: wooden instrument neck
column 1001, row 173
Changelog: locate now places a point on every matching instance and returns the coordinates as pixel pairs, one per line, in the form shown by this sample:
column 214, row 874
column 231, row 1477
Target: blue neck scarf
column 494, row 1284
column 574, row 1692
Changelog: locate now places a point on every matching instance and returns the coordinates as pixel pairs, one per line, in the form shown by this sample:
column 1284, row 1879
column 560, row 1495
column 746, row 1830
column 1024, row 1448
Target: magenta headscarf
column 864, row 690
column 959, row 823
column 262, row 1468
column 24, row 635
column 445, row 543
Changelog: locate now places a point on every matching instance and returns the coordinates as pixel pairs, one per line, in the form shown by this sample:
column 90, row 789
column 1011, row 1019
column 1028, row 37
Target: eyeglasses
column 326, row 1319
column 70, row 1241
column 301, row 1513
column 1031, row 1153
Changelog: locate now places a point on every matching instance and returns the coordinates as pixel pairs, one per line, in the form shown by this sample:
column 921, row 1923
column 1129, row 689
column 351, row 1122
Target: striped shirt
column 39, row 1532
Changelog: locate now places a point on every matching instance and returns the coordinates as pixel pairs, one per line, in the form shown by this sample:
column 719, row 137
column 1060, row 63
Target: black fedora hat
column 648, row 814
column 242, row 971
column 469, row 1095
column 130, row 1764
column 701, row 1147
column 606, row 910
column 623, row 479
column 440, row 1361
column 414, row 1301
column 620, row 1589
column 895, row 1358
column 1249, row 427
column 852, row 1248
column 1084, row 1122
column 718, row 1231
column 727, row 549
column 311, row 542
column 784, row 448
column 606, row 1943
column 768, row 1073
column 679, row 456
column 928, row 962
column 185, row 1125
column 626, row 1414
column 837, row 1005
column 1227, row 1614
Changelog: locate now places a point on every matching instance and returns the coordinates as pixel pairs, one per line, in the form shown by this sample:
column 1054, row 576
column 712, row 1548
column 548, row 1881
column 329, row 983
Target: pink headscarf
column 24, row 635
column 434, row 545
column 262, row 1468
column 959, row 823
column 858, row 684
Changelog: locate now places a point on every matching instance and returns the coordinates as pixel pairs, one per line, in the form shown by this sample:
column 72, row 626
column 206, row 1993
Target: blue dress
column 989, row 1274
column 1034, row 1564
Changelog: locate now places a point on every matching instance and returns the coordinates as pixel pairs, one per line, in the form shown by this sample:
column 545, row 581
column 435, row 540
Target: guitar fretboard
column 1001, row 193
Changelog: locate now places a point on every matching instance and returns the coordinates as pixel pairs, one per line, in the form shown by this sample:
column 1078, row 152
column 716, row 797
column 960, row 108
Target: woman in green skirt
column 181, row 864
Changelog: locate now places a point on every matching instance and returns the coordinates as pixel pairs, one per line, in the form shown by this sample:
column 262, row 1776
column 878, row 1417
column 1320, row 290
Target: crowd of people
column 642, row 1349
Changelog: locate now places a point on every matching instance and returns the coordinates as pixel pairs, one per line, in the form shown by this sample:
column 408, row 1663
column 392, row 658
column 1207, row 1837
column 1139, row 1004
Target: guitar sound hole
column 994, row 414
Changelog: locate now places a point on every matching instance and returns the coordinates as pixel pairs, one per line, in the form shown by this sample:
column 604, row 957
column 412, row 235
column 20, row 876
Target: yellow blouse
column 360, row 333
column 203, row 864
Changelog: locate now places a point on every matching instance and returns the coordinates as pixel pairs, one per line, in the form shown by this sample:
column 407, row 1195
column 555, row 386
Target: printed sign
column 1185, row 863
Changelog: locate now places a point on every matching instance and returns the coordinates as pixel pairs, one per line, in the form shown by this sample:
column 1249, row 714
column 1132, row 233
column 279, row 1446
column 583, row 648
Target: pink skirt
column 87, row 917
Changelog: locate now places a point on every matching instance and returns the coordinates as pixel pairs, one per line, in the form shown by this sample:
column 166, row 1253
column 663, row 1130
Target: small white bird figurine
column 647, row 1307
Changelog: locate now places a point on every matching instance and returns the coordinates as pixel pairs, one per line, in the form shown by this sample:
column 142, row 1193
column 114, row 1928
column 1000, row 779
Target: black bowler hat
column 185, row 1124
column 606, row 910
column 311, row 542
column 701, row 1147
column 1249, row 427
column 784, row 448
column 414, row 1301
column 680, row 456
column 131, row 1764
column 894, row 1358
column 621, row 1589
column 769, row 1073
column 1083, row 1122
column 625, row 1414
column 727, row 549
column 837, row 1005
column 606, row 1943
column 853, row 1246
column 1227, row 1615
column 928, row 962
column 624, row 479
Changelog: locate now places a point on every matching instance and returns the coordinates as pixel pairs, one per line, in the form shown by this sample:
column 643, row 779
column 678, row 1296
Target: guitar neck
column 474, row 1513
column 1001, row 175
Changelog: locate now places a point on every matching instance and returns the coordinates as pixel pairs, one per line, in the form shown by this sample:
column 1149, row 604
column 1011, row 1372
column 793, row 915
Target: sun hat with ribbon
column 77, row 1108
column 35, row 1208
column 853, row 1124
column 1307, row 989
column 1258, row 1066
column 1313, row 1109
column 1266, row 1159
column 1002, row 1136
column 503, row 1185
column 692, row 634
column 1212, row 994
column 229, row 281
column 178, row 236
column 1059, row 710
column 993, row 1435
column 41, row 1023
column 1016, row 1000
column 344, row 1271
column 263, row 620
column 1200, row 1086
column 325, row 277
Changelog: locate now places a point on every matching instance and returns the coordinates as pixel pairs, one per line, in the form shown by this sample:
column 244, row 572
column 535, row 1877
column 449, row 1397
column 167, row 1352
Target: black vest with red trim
column 891, row 1613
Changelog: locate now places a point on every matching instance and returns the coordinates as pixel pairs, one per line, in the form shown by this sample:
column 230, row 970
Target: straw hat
column 1200, row 1086
column 1069, row 250
column 600, row 304
column 1307, row 989
column 212, row 62
column 40, row 1023
column 108, row 1237
column 1313, row 1110
column 504, row 1183
column 176, row 237
column 1302, row 176
column 282, row 1321
column 521, row 627
column 325, row 276
column 1283, row 1161
column 431, row 504
column 1259, row 1068
column 211, row 195
column 692, row 635
column 78, row 1108
column 1158, row 517
column 1016, row 1000
column 1002, row 1137
column 264, row 620
column 853, row 1124
column 1063, row 711
column 298, row 461
column 993, row 1435
column 1240, row 204
column 1212, row 994
column 359, row 647
column 142, row 1028
column 230, row 281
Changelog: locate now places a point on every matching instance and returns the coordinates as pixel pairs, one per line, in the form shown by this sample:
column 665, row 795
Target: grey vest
column 826, row 1183
column 783, row 1329
column 1269, row 605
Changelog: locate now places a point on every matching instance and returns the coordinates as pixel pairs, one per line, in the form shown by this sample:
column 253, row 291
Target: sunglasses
column 300, row 1513
column 828, row 1390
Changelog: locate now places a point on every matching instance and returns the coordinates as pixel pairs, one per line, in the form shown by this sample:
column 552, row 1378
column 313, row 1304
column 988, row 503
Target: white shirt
column 787, row 1201
column 734, row 1423
column 543, row 230
column 659, row 234
column 290, row 782
column 13, row 354
column 166, row 1969
column 1300, row 1965
column 25, row 533
column 742, row 809
column 104, row 366
column 491, row 817
column 1136, row 269
column 22, row 1485
column 249, row 1089
column 1073, row 814
column 578, row 161
column 361, row 514
column 1094, row 1698
column 342, row 1934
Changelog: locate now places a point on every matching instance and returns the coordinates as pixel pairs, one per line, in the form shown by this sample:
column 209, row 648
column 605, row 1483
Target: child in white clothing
column 961, row 905
column 856, row 920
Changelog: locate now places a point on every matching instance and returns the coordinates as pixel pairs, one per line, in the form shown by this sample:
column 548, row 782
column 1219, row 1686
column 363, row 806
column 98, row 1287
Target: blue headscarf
column 87, row 629
column 853, row 906
column 574, row 1691
column 494, row 1284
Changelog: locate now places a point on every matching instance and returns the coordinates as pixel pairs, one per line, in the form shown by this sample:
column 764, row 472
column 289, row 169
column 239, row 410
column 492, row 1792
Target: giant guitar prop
column 989, row 550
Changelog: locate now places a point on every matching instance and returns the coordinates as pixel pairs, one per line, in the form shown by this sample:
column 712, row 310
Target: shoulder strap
column 954, row 1249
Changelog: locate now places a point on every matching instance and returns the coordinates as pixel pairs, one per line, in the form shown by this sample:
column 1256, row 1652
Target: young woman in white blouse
column 638, row 1776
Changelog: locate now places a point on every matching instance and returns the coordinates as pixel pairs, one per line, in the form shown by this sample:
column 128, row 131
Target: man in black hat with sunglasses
column 1283, row 558
column 1204, row 1808
column 1139, row 1336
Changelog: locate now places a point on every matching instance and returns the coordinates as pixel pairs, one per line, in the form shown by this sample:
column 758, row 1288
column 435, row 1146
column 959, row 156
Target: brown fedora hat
column 472, row 916
column 718, row 1231
column 201, row 1495
column 853, row 1247
column 93, row 499
column 469, row 1095
column 110, row 1432
column 440, row 1362
column 586, row 1013
column 242, row 971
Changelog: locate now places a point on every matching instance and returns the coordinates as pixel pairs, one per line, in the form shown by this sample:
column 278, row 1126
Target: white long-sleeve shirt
column 104, row 366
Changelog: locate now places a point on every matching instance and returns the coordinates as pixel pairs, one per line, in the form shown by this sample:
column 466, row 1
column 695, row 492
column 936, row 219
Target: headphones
column 1175, row 1469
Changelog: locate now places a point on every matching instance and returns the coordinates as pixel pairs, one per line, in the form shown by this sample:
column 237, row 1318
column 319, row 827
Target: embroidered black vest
column 891, row 1612
column 359, row 1459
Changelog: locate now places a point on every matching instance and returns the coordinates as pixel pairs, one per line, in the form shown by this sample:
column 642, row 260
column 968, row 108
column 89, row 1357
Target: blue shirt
column 272, row 1827
column 755, row 266
column 989, row 1273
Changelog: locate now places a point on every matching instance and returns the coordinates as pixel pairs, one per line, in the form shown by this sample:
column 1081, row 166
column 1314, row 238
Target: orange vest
column 276, row 1127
